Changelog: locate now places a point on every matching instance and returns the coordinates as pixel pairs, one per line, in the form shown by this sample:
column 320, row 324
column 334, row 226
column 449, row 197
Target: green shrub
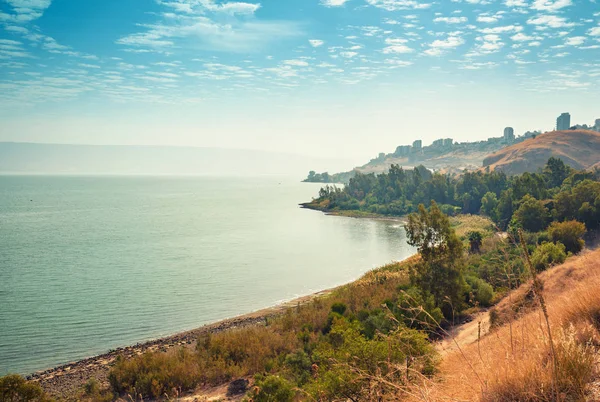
column 483, row 293
column 272, row 389
column 548, row 254
column 569, row 233
column 14, row 388
column 339, row 308
column 417, row 309
column 155, row 374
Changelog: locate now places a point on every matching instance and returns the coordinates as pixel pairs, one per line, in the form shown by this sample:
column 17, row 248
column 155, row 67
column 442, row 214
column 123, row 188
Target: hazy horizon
column 83, row 159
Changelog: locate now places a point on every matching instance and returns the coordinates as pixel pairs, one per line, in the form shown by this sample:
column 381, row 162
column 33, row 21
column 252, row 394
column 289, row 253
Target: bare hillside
column 579, row 149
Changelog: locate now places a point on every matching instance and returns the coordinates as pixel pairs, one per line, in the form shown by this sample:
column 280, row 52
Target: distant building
column 509, row 135
column 417, row 145
column 438, row 143
column 447, row 142
column 563, row 122
column 403, row 150
column 597, row 125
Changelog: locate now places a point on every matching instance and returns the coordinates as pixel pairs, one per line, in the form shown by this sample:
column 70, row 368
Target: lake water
column 88, row 264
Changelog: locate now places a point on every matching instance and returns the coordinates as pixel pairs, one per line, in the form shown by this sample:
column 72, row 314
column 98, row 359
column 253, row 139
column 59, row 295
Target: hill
column 509, row 360
column 450, row 158
column 579, row 149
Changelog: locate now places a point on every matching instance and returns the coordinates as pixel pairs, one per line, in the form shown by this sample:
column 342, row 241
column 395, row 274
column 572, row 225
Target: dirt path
column 465, row 334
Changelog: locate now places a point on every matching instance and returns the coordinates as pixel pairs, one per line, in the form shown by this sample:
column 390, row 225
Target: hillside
column 579, row 149
column 510, row 361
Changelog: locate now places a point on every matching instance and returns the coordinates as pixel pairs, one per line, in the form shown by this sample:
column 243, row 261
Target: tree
column 475, row 239
column 556, row 172
column 532, row 215
column 569, row 233
column 505, row 208
column 440, row 271
column 489, row 203
column 548, row 254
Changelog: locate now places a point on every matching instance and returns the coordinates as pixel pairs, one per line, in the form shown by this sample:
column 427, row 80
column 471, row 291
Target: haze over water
column 88, row 264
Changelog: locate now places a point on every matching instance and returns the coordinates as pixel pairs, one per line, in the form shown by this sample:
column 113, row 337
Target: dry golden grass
column 464, row 224
column 515, row 362
column 577, row 148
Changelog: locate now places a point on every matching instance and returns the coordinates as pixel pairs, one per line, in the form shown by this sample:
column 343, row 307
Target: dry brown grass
column 464, row 224
column 514, row 362
column 577, row 148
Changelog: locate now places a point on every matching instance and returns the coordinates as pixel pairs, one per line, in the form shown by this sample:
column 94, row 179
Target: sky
column 323, row 78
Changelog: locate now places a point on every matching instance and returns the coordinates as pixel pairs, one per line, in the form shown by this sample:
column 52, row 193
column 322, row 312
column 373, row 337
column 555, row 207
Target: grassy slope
column 578, row 148
column 513, row 361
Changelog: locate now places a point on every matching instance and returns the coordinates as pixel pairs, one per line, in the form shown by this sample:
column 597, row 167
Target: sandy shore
column 65, row 381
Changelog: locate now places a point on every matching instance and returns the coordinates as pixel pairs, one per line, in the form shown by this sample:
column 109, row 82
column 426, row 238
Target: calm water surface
column 88, row 264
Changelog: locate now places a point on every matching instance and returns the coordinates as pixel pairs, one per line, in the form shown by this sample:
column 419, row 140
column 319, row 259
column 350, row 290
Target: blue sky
column 320, row 77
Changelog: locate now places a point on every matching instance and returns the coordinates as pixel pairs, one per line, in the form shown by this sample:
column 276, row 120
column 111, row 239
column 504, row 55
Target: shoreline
column 354, row 214
column 66, row 380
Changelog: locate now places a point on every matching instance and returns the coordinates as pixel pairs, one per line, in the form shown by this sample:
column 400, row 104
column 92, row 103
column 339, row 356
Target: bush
column 155, row 374
column 569, row 233
column 339, row 308
column 548, row 254
column 272, row 389
column 483, row 293
column 14, row 388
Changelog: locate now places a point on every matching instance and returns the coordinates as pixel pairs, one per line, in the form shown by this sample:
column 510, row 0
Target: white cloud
column 333, row 3
column 296, row 63
column 398, row 63
column 394, row 5
column 491, row 43
column 550, row 5
column 203, row 32
column 487, row 19
column 316, row 42
column 575, row 40
column 521, row 37
column 515, row 3
column 396, row 45
column 195, row 6
column 451, row 20
column 550, row 20
column 348, row 55
column 26, row 10
column 594, row 31
column 438, row 46
column 502, row 29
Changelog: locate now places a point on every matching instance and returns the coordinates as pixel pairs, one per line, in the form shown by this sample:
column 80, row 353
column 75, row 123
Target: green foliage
column 581, row 203
column 475, row 239
column 569, row 233
column 556, row 172
column 339, row 308
column 155, row 374
column 299, row 364
column 489, row 205
column 272, row 389
column 14, row 388
column 548, row 254
column 439, row 272
column 417, row 309
column 347, row 361
column 482, row 292
column 531, row 215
